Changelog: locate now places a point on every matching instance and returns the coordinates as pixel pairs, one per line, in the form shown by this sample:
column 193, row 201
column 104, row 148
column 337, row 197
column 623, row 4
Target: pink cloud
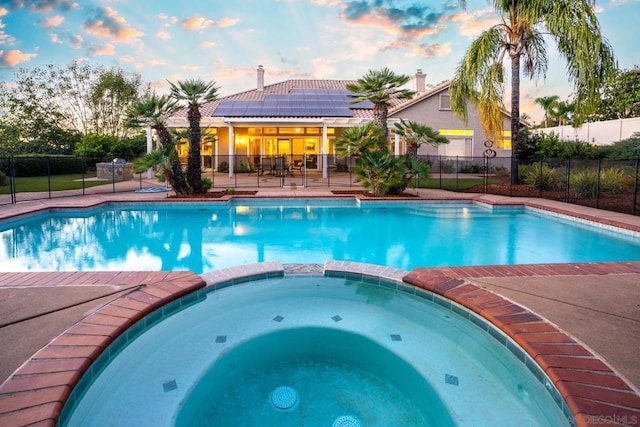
column 201, row 23
column 104, row 50
column 107, row 23
column 53, row 21
column 14, row 57
column 163, row 35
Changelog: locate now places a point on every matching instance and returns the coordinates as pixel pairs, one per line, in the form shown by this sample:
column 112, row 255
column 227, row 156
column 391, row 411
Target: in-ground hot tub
column 314, row 351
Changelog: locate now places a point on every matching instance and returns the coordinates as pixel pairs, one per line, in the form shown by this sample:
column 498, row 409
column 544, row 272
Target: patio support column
column 232, row 152
column 325, row 148
column 396, row 143
column 149, row 149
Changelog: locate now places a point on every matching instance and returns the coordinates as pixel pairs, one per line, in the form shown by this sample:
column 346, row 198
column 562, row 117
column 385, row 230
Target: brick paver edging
column 37, row 391
column 594, row 393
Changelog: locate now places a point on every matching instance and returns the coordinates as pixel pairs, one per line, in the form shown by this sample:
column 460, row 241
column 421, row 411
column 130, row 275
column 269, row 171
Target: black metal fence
column 604, row 184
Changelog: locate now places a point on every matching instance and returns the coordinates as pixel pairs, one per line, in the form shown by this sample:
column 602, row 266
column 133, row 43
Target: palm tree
column 194, row 92
column 418, row 134
column 380, row 87
column 357, row 140
column 549, row 105
column 153, row 111
column 564, row 112
column 522, row 34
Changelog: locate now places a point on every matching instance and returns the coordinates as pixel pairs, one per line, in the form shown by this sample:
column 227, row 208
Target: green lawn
column 450, row 183
column 58, row 182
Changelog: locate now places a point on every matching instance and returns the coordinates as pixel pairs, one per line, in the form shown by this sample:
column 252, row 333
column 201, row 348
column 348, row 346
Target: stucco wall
column 429, row 113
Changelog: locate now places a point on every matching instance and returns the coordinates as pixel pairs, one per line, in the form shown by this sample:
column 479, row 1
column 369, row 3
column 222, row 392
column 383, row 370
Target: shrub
column 54, row 165
column 612, row 180
column 540, row 177
column 472, row 168
column 207, row 184
column 95, row 145
column 583, row 183
column 241, row 168
column 229, row 190
column 501, row 172
column 129, row 148
column 447, row 166
column 223, row 167
column 3, row 178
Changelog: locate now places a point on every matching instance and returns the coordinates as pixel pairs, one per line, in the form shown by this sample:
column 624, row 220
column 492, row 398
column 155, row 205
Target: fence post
column 84, row 170
column 540, row 177
column 304, row 170
column 113, row 174
column 568, row 180
column 440, row 165
column 598, row 185
column 12, row 180
column 49, row 174
column 457, row 171
column 635, row 188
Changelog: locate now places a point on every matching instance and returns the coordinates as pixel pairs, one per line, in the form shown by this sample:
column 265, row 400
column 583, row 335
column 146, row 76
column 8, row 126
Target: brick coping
column 593, row 392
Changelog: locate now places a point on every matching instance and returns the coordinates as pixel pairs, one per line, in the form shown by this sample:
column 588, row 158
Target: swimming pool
column 205, row 237
column 381, row 353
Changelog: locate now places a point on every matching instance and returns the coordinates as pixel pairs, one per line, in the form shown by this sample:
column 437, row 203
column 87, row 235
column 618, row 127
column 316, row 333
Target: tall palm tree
column 194, row 92
column 417, row 134
column 564, row 112
column 153, row 111
column 521, row 36
column 548, row 104
column 380, row 87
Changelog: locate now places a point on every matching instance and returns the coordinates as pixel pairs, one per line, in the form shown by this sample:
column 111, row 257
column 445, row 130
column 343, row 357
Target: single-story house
column 302, row 118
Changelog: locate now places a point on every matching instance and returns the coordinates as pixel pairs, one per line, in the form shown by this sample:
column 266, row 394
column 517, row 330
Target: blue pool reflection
column 205, row 237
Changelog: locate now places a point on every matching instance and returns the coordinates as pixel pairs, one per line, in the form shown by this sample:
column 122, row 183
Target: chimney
column 260, row 78
column 420, row 81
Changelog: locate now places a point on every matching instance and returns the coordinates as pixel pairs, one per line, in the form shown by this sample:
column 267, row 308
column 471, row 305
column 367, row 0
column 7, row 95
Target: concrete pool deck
column 580, row 322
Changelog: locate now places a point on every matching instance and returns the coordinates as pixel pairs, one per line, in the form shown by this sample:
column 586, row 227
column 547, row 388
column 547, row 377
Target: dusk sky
column 225, row 40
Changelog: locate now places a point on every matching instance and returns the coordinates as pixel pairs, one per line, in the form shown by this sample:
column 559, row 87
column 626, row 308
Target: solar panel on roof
column 300, row 102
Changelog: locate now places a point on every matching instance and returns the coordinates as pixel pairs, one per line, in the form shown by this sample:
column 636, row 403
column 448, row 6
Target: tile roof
column 285, row 88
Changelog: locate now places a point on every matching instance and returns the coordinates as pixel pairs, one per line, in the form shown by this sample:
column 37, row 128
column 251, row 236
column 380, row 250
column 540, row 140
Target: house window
column 445, row 101
column 505, row 142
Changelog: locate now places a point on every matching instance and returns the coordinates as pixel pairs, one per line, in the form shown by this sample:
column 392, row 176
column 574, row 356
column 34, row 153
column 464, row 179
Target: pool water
column 208, row 237
column 381, row 355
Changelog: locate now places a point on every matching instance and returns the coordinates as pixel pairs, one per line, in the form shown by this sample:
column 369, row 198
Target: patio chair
column 266, row 165
column 280, row 166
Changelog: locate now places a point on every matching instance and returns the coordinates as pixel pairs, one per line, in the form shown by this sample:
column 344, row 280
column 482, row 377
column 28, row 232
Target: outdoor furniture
column 266, row 165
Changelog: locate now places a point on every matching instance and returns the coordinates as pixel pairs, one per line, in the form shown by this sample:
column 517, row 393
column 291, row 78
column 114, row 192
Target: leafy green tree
column 153, row 111
column 621, row 96
column 194, row 92
column 417, row 134
column 61, row 103
column 111, row 96
column 521, row 39
column 381, row 87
